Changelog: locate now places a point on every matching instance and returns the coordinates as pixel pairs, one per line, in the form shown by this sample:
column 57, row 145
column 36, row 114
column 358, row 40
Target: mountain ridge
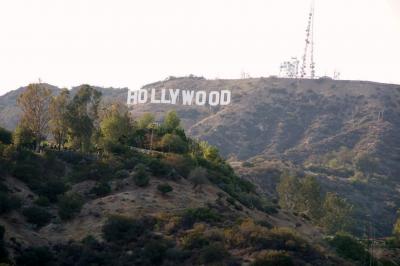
column 302, row 122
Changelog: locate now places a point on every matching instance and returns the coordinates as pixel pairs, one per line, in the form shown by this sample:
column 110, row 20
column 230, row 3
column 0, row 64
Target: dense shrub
column 273, row 258
column 5, row 136
column 164, row 188
column 348, row 247
column 213, row 253
column 89, row 252
column 3, row 250
column 250, row 201
column 195, row 240
column 159, row 168
column 155, row 250
column 257, row 237
column 8, row 203
column 101, row 189
column 173, row 143
column 42, row 201
column 69, row 206
column 35, row 256
column 177, row 256
column 149, row 250
column 115, row 148
column 71, row 157
column 28, row 172
column 52, row 165
column 92, row 170
column 121, row 174
column 141, row 177
column 182, row 164
column 284, row 238
column 192, row 216
column 52, row 189
column 119, row 229
column 37, row 216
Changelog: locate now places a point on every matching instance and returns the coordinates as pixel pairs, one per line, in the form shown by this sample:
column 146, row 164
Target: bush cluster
column 37, row 216
column 69, row 206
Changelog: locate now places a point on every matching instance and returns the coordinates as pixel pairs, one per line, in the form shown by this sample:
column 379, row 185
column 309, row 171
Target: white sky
column 126, row 43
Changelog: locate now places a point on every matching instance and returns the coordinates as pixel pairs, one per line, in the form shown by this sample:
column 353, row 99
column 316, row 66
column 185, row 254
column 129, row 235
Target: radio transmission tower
column 309, row 47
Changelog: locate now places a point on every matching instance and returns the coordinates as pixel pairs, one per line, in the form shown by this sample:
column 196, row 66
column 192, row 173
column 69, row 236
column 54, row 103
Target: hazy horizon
column 125, row 44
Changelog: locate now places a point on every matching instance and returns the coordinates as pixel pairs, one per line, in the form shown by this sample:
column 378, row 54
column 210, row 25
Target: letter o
column 201, row 98
column 213, row 98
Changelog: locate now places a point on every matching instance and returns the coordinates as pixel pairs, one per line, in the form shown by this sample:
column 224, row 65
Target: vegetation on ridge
column 84, row 141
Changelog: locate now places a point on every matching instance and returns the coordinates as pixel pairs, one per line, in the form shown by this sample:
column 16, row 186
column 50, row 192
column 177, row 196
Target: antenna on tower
column 309, row 44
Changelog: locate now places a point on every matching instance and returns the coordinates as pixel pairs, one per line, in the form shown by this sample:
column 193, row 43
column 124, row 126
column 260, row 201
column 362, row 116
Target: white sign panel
column 178, row 96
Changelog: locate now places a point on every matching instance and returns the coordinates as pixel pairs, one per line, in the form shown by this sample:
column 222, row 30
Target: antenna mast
column 309, row 42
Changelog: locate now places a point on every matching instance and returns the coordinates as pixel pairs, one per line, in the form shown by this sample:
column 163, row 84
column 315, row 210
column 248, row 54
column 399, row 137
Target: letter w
column 187, row 97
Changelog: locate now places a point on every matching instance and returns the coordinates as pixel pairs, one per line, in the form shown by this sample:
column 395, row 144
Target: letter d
column 225, row 97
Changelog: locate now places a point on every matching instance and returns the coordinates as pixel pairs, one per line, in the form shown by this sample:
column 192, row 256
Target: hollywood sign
column 178, row 96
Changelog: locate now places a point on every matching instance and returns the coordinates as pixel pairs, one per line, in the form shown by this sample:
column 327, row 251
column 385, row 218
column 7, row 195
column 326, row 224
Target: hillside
column 298, row 124
column 128, row 206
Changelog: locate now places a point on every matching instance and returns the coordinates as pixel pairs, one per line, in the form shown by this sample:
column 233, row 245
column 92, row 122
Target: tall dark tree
column 82, row 117
column 116, row 125
column 58, row 113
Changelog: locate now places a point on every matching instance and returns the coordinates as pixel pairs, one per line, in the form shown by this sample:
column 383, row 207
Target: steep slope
column 298, row 123
column 135, row 224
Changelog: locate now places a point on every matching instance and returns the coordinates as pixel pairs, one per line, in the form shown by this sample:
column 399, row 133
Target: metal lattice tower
column 309, row 46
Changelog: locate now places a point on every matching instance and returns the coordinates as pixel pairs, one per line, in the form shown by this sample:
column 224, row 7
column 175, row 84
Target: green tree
column 58, row 114
column 310, row 197
column 82, row 117
column 34, row 103
column 23, row 137
column 171, row 121
column 288, row 191
column 173, row 143
column 116, row 125
column 337, row 213
column 209, row 152
column 145, row 121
